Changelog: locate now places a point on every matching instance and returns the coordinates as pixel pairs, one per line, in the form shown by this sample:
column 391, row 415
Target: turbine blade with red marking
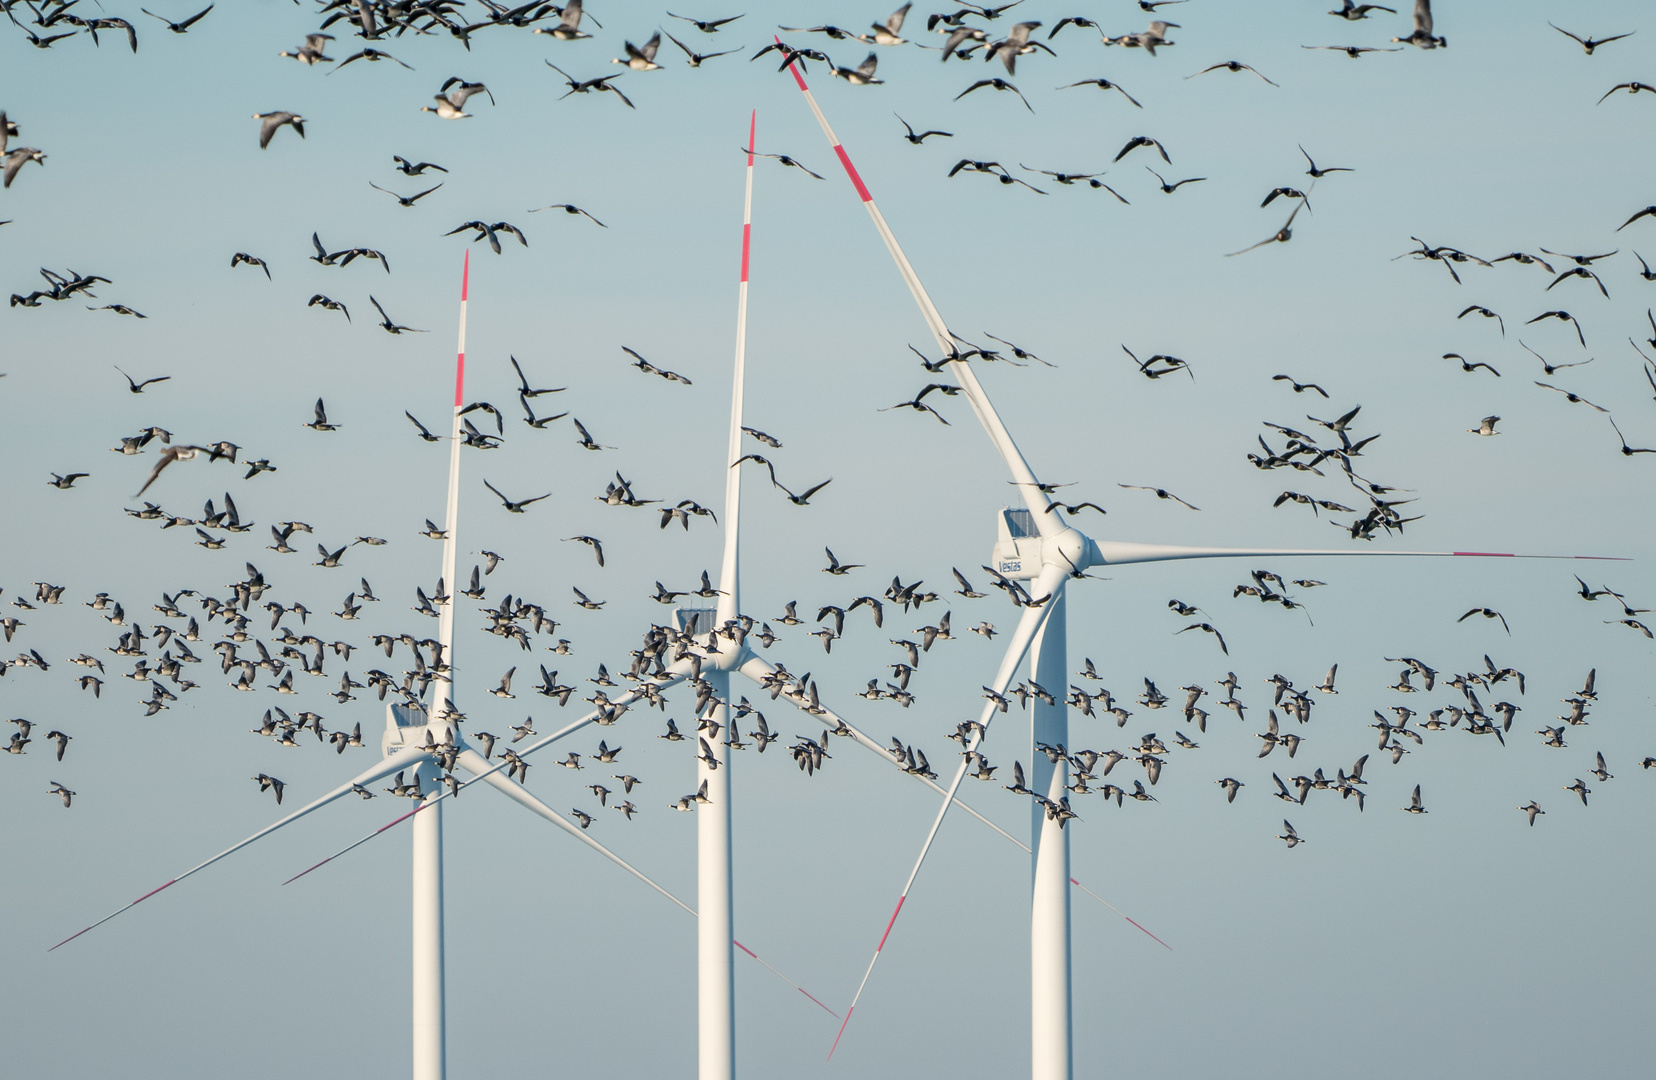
column 1034, row 617
column 407, row 759
column 1049, row 522
column 1123, row 914
column 784, row 978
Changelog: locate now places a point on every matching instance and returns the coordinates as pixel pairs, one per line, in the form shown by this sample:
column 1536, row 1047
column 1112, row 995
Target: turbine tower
column 1036, row 544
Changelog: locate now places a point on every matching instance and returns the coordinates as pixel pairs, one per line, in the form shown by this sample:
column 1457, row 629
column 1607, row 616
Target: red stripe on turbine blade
column 359, row 843
column 465, row 276
column 459, row 380
column 744, row 948
column 807, row 993
column 753, row 130
column 851, row 171
column 890, row 924
column 100, row 922
column 844, row 1022
column 153, row 891
column 747, row 236
column 1153, row 937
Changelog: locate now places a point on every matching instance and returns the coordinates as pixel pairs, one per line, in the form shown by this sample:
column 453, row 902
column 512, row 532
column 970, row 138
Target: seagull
column 1488, row 613
column 1104, row 84
column 409, row 168
column 708, row 26
column 1630, row 87
column 862, row 74
column 252, row 260
column 695, row 59
column 272, row 121
column 515, row 507
column 136, row 387
column 1299, row 387
column 321, row 421
column 588, row 86
column 569, row 208
column 1468, row 366
column 311, row 51
column 1486, row 313
column 999, row 84
column 641, row 57
column 1168, row 189
column 921, row 137
column 1229, row 65
column 328, row 304
column 1352, row 11
column 168, row 456
column 371, row 55
column 1354, row 51
column 591, row 541
column 177, row 28
column 1422, row 36
column 1161, row 493
column 569, row 24
column 1282, row 235
column 385, row 320
column 1588, row 44
column 404, row 200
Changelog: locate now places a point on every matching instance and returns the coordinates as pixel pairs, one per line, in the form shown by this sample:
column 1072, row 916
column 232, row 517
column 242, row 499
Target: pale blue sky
column 1459, row 943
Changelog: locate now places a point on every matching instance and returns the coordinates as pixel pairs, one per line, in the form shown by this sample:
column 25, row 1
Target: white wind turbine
column 424, row 741
column 1039, row 545
column 714, row 664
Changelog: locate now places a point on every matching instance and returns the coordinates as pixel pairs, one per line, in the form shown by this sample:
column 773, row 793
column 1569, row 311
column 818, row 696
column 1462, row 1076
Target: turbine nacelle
column 407, row 727
column 1021, row 552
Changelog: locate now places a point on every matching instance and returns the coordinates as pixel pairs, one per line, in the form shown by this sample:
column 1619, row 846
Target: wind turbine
column 425, row 741
column 714, row 666
column 1036, row 544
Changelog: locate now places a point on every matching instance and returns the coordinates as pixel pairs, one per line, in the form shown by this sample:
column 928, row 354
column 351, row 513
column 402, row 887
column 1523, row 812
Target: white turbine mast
column 1038, row 544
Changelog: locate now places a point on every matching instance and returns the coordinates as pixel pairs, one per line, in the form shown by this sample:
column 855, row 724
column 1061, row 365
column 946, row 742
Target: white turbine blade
column 1114, row 552
column 1049, row 524
column 431, row 800
column 1048, row 583
column 784, row 978
column 728, row 604
column 474, row 763
column 451, row 519
column 757, row 668
column 1123, row 914
column 406, row 759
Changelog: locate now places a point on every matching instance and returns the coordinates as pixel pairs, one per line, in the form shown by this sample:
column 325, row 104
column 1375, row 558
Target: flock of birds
column 258, row 633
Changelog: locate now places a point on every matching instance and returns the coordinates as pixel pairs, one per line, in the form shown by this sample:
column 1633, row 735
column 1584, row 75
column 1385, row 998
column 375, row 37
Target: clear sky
column 1457, row 943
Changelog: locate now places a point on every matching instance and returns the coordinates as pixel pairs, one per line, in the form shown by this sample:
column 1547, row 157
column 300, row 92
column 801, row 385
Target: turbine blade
column 1113, row 552
column 1123, row 914
column 1033, row 618
column 473, row 762
column 727, row 603
column 406, row 759
column 784, row 978
column 451, row 518
column 1049, row 524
